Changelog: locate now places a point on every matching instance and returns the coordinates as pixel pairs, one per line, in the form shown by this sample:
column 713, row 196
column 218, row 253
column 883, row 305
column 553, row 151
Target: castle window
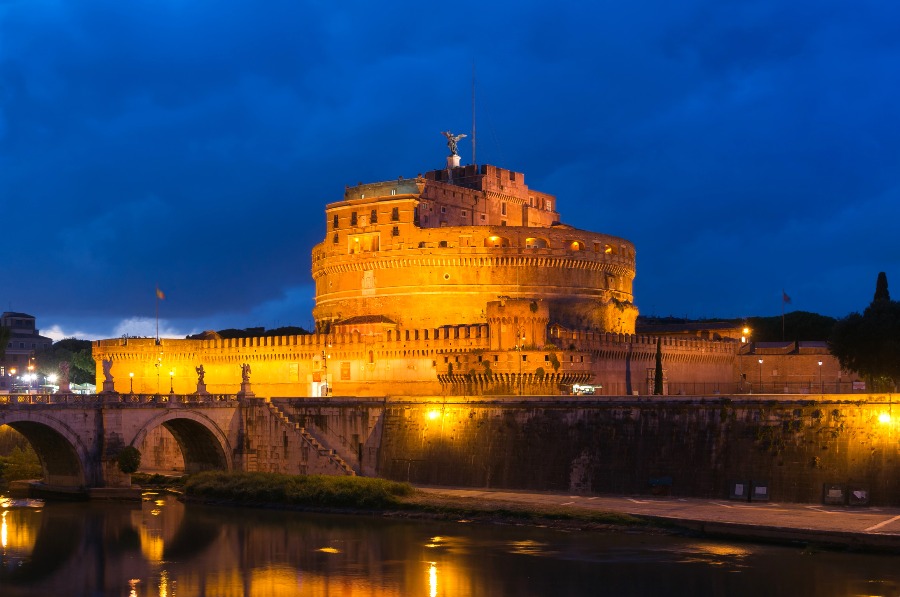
column 353, row 218
column 496, row 358
column 371, row 357
column 446, row 359
column 334, row 222
column 334, row 239
column 421, row 244
column 503, row 208
column 395, row 214
column 374, row 216
column 483, row 217
column 443, row 209
column 503, row 223
column 395, row 231
column 443, row 244
column 464, row 213
column 576, row 246
column 393, row 191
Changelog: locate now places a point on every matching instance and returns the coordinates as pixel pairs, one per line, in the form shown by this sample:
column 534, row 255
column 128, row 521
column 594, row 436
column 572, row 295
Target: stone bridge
column 78, row 437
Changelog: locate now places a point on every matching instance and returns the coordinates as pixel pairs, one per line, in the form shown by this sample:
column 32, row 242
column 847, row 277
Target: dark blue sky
column 744, row 147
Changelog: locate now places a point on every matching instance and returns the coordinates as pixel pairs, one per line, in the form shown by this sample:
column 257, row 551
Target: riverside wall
column 686, row 446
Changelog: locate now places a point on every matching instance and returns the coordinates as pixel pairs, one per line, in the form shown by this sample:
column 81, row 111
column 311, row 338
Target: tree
column 869, row 344
column 77, row 353
column 129, row 459
column 658, row 374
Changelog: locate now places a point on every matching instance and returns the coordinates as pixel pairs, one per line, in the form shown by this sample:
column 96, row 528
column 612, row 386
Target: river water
column 163, row 548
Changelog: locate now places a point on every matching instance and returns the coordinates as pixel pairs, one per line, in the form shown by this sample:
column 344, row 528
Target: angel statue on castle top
column 452, row 141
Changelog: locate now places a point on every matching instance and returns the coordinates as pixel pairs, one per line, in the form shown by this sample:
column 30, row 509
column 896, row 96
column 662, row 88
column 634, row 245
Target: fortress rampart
column 449, row 360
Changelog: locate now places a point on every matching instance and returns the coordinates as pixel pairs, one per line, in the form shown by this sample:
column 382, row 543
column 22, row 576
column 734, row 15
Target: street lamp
column 520, row 346
column 760, row 375
column 131, row 382
column 821, row 387
column 171, row 381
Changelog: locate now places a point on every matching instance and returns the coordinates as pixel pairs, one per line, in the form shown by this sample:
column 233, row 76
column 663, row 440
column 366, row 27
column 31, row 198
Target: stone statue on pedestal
column 245, row 381
column 201, row 385
column 108, row 385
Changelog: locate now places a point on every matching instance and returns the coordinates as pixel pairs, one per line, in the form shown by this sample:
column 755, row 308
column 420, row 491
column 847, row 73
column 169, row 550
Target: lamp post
column 760, row 375
column 171, row 382
column 745, row 338
column 131, row 382
column 821, row 386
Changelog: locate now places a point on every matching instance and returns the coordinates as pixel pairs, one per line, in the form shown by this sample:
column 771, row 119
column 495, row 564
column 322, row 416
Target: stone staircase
column 311, row 440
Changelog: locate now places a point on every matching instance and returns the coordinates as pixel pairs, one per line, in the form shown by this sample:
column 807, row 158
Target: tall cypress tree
column 658, row 375
column 881, row 288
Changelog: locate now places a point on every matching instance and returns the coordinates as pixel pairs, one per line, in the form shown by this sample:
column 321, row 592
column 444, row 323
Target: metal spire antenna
column 474, row 160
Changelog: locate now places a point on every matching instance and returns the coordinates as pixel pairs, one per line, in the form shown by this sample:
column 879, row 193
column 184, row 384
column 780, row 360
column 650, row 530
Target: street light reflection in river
column 432, row 580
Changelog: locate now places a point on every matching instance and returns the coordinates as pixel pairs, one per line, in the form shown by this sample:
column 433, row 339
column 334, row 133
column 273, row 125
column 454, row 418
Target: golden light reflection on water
column 432, row 580
column 715, row 554
column 329, row 550
column 528, row 547
column 3, row 531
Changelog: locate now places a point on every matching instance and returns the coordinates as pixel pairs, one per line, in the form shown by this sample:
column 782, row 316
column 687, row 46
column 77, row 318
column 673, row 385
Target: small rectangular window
column 395, row 231
column 443, row 209
column 334, row 239
column 393, row 191
column 503, row 208
column 395, row 214
column 483, row 217
column 334, row 222
column 374, row 216
column 353, row 218
column 464, row 213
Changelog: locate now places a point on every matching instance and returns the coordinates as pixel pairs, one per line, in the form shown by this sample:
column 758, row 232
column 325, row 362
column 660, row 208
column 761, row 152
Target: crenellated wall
column 450, row 360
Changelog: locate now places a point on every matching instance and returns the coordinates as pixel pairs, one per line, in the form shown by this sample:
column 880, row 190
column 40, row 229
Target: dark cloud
column 744, row 147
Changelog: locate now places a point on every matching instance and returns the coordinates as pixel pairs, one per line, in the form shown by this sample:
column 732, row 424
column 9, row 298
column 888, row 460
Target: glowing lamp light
column 434, row 414
column 884, row 418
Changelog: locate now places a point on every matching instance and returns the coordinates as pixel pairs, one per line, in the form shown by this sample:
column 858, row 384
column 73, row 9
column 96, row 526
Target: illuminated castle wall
column 461, row 281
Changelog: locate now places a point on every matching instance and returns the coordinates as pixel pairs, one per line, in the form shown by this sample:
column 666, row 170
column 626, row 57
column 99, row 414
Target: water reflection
column 164, row 548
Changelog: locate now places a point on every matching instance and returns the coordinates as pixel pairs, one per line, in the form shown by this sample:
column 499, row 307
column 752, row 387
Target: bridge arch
column 64, row 457
column 203, row 444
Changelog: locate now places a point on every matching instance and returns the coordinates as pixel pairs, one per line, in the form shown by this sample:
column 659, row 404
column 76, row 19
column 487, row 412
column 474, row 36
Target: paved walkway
column 856, row 527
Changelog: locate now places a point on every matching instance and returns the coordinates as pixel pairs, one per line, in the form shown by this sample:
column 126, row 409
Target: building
column 460, row 281
column 23, row 342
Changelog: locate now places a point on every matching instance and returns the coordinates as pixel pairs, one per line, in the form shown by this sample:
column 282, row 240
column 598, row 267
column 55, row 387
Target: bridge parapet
column 100, row 399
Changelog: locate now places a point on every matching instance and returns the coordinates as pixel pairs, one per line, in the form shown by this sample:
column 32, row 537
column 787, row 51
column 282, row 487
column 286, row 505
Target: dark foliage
column 82, row 368
column 129, row 459
column 290, row 330
column 869, row 344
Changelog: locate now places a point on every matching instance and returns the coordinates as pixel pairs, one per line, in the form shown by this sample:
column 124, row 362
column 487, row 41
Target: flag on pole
column 161, row 296
column 784, row 297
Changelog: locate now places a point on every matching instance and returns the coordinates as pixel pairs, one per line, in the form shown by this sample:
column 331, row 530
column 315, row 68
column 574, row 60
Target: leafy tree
column 658, row 374
column 869, row 344
column 76, row 352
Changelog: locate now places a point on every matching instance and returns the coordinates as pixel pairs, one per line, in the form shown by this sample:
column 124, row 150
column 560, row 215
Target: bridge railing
column 116, row 398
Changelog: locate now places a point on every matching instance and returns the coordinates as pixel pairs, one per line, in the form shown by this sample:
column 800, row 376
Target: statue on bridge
column 108, row 385
column 201, row 385
column 200, row 374
column 64, row 387
column 245, row 381
column 107, row 369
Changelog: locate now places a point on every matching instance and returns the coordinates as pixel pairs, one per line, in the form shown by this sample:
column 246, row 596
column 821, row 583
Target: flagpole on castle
column 784, row 300
column 159, row 296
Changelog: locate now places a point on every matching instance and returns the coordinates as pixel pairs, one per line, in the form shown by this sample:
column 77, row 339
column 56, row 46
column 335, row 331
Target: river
column 163, row 548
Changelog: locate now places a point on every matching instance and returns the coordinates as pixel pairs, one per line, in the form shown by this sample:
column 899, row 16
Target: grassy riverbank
column 297, row 490
column 389, row 498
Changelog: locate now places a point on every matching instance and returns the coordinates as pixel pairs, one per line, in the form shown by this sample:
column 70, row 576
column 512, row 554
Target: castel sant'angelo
column 463, row 281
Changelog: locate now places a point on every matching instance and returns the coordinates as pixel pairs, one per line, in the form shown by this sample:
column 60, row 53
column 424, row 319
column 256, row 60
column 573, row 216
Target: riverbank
column 832, row 527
